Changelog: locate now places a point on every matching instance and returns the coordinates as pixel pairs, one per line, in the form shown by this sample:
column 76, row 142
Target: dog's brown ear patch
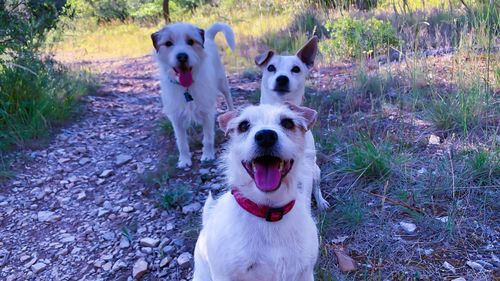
column 310, row 115
column 155, row 37
column 263, row 58
column 308, row 52
column 225, row 118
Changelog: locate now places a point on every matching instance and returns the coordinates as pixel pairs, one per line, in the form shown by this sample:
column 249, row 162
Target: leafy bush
column 34, row 99
column 353, row 38
column 35, row 94
column 24, row 24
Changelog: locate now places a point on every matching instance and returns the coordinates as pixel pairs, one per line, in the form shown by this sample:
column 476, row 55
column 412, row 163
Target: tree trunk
column 166, row 12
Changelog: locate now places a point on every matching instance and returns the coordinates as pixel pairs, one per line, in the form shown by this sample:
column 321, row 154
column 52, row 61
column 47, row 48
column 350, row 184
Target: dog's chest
column 276, row 265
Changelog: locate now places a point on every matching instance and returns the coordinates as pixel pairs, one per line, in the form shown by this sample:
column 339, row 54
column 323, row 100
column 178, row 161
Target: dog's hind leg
column 225, row 90
column 321, row 203
column 208, row 123
column 182, row 142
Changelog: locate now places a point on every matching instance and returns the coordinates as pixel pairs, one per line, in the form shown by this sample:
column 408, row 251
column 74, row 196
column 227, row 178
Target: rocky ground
column 83, row 209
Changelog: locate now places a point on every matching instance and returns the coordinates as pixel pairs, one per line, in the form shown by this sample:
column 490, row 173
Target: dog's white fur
column 235, row 245
column 209, row 80
column 304, row 60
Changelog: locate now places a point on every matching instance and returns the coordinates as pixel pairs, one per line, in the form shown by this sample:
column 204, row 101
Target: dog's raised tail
column 226, row 29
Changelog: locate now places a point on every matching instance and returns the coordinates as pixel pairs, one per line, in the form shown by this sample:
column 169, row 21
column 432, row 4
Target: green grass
column 371, row 161
column 463, row 110
column 177, row 195
column 36, row 96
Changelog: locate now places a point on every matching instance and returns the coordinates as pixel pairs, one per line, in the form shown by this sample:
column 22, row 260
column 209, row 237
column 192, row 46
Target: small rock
column 140, row 268
column 164, row 262
column 123, row 159
column 46, row 216
column 408, row 227
column 449, row 267
column 124, row 243
column 38, row 267
column 84, row 161
column 24, row 258
column 68, row 239
column 118, row 265
column 107, row 266
column 108, row 236
column 422, row 171
column 168, row 250
column 204, row 171
column 434, row 140
column 191, row 208
column 443, row 219
column 127, row 209
column 106, row 173
column 149, row 242
column 474, row 265
column 184, row 260
column 81, row 196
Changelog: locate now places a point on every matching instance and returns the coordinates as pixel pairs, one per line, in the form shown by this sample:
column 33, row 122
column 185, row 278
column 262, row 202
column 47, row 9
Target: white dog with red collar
column 191, row 76
column 262, row 229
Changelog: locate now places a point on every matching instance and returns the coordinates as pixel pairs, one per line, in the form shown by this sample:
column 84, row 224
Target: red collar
column 269, row 213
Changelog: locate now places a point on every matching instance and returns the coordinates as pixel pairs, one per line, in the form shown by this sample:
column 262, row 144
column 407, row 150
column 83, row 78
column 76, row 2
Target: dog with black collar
column 191, row 77
column 262, row 229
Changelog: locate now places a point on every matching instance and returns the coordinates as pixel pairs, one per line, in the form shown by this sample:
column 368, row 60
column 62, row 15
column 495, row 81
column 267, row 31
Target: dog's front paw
column 207, row 156
column 184, row 163
column 322, row 204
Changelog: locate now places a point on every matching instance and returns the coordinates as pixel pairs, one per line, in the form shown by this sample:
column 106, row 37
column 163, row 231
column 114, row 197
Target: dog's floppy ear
column 308, row 52
column 263, row 58
column 309, row 115
column 155, row 37
column 225, row 118
column 202, row 34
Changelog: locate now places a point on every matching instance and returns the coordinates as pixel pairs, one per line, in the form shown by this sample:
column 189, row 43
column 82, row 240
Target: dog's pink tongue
column 267, row 177
column 185, row 78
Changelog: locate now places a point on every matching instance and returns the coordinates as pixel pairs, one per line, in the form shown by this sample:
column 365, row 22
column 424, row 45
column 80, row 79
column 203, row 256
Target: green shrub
column 36, row 95
column 354, row 38
column 176, row 196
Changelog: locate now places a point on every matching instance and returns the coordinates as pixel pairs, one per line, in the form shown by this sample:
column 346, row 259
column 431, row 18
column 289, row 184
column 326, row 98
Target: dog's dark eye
column 190, row 42
column 287, row 123
column 169, row 43
column 271, row 68
column 243, row 126
column 296, row 69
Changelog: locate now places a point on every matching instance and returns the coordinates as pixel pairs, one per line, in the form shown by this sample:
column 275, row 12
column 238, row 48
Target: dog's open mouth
column 185, row 75
column 268, row 171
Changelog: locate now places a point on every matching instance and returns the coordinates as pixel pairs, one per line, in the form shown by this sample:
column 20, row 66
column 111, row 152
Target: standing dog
column 283, row 80
column 191, row 76
column 262, row 229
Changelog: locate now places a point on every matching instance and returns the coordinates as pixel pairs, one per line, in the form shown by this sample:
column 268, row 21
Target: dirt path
column 82, row 208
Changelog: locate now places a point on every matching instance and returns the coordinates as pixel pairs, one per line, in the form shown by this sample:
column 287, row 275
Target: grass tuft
column 176, row 196
column 369, row 160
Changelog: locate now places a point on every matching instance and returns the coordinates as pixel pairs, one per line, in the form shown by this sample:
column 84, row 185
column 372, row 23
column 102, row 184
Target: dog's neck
column 271, row 97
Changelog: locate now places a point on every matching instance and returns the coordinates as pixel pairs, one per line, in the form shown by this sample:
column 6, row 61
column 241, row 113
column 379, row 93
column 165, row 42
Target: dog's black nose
column 282, row 81
column 266, row 138
column 182, row 57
